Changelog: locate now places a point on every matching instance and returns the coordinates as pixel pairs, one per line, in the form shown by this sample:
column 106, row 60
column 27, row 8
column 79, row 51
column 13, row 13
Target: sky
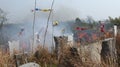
column 20, row 10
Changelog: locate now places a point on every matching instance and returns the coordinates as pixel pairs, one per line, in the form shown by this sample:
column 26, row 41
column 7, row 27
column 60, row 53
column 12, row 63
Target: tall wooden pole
column 48, row 23
column 34, row 23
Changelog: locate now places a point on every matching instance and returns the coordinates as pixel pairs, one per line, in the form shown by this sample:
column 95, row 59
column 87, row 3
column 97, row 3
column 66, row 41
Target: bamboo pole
column 34, row 24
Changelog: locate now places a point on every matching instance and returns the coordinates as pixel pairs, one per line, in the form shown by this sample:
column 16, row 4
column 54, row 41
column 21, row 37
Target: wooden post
column 115, row 35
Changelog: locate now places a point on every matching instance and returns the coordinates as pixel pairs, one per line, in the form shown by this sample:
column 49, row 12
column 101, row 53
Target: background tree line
column 115, row 20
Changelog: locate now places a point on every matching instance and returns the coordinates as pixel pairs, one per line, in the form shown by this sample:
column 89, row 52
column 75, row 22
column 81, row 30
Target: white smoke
column 64, row 13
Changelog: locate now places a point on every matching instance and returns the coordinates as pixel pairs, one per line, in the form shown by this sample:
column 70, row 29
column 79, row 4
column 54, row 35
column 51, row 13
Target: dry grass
column 118, row 47
column 6, row 60
column 47, row 59
column 43, row 57
column 65, row 58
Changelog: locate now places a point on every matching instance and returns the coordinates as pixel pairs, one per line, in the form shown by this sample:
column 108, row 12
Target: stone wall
column 97, row 51
column 108, row 49
column 91, row 52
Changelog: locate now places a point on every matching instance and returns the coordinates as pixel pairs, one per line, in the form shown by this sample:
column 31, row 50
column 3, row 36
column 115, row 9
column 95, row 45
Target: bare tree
column 90, row 20
column 2, row 17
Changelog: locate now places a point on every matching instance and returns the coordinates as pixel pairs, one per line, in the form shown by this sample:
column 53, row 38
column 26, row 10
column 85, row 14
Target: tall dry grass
column 118, row 48
column 65, row 58
column 47, row 59
column 6, row 60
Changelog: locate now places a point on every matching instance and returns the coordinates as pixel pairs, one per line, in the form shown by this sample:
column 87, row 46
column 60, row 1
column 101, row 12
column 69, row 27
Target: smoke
column 64, row 13
column 61, row 14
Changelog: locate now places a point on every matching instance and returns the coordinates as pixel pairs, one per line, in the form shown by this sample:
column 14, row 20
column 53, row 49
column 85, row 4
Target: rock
column 31, row 64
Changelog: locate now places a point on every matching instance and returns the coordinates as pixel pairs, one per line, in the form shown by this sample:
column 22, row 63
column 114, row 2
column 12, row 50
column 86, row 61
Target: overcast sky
column 63, row 9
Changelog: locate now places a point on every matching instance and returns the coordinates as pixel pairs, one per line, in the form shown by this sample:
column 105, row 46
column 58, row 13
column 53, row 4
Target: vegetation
column 3, row 18
column 6, row 60
column 67, row 58
column 115, row 20
column 88, row 23
column 118, row 48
